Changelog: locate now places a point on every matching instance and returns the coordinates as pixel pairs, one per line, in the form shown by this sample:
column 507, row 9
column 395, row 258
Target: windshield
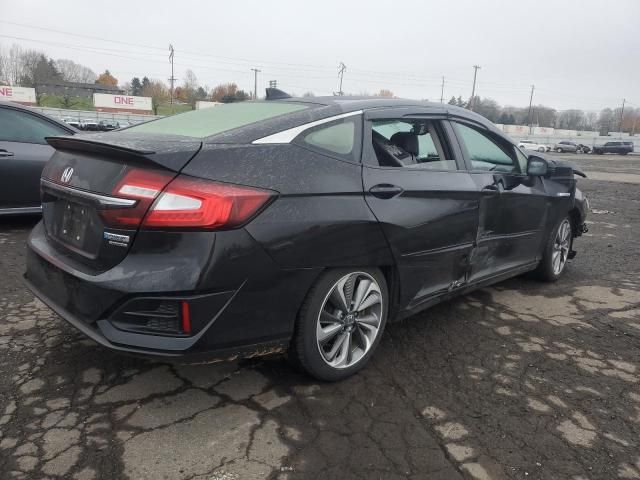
column 211, row 121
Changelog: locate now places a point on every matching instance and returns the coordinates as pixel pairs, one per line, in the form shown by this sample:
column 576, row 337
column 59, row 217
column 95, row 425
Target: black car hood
column 559, row 167
column 566, row 165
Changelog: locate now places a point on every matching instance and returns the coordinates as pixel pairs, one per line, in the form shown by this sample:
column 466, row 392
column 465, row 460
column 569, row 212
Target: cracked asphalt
column 521, row 380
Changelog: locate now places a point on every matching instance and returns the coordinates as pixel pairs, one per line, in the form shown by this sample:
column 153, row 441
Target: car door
column 513, row 207
column 23, row 153
column 424, row 201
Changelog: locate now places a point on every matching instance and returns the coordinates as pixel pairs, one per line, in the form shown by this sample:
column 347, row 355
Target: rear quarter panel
column 320, row 218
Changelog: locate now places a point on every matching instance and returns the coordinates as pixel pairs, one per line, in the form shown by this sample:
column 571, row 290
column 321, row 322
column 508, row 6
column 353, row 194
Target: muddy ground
column 521, row 380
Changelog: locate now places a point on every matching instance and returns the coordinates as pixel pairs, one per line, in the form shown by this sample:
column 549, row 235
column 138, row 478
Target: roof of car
column 353, row 103
column 17, row 106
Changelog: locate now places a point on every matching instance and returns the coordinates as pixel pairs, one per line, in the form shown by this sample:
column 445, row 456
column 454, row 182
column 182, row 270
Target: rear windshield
column 211, row 121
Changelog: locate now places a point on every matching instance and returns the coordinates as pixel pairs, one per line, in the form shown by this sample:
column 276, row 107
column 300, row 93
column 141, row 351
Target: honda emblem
column 66, row 175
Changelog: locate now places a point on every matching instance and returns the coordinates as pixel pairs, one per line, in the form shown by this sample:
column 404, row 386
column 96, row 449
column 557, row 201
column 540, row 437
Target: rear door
column 23, row 153
column 425, row 202
column 513, row 206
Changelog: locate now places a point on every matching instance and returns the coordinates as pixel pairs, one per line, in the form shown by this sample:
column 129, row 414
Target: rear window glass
column 211, row 121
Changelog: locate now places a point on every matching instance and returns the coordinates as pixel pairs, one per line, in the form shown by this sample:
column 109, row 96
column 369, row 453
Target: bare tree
column 384, row 92
column 71, row 71
column 158, row 92
column 190, row 86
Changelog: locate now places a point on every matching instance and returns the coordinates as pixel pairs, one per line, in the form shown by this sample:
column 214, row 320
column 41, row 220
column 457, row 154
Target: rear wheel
column 340, row 323
column 541, row 149
column 556, row 252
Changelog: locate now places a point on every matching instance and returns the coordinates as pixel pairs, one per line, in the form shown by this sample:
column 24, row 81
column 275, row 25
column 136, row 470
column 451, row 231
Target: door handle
column 385, row 190
column 4, row 153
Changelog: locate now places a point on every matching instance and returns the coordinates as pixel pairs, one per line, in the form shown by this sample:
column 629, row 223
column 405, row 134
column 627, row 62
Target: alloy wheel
column 349, row 320
column 561, row 246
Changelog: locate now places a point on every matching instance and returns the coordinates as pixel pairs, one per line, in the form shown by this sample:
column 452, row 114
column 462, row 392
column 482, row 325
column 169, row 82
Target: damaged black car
column 298, row 225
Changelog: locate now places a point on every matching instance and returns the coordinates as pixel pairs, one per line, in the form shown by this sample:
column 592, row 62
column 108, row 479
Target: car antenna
column 276, row 94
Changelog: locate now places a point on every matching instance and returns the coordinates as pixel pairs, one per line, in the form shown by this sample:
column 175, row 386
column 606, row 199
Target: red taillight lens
column 195, row 203
column 141, row 185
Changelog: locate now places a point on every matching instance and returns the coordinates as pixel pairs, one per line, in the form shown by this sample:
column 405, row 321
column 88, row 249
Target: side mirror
column 537, row 167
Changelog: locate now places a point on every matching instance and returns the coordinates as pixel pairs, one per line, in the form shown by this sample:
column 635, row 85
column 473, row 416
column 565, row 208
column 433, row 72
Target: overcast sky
column 579, row 54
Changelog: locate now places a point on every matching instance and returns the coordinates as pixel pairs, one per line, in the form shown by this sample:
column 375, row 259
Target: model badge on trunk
column 117, row 240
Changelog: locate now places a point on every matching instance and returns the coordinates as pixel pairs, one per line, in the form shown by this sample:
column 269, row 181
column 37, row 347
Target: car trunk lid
column 96, row 190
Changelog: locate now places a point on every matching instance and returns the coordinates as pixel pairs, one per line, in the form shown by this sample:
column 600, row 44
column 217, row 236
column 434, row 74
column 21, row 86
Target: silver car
column 565, row 146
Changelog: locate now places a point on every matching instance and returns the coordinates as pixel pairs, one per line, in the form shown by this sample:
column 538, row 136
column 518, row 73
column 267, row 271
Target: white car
column 529, row 145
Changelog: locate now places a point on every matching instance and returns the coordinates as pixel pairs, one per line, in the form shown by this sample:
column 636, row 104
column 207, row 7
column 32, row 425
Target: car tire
column 556, row 252
column 559, row 150
column 334, row 338
column 541, row 149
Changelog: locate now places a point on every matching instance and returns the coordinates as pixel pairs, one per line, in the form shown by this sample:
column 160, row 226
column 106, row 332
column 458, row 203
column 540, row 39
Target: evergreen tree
column 136, row 86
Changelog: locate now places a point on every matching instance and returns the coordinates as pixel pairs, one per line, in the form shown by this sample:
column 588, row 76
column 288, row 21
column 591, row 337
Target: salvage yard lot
column 521, row 380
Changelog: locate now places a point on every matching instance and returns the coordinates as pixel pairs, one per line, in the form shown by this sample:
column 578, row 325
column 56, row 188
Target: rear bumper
column 246, row 305
column 96, row 334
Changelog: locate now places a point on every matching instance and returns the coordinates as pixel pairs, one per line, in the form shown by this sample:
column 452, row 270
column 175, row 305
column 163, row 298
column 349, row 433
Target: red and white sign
column 119, row 103
column 22, row 95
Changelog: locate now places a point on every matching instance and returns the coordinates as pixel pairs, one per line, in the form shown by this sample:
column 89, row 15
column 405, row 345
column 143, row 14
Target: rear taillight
column 195, row 203
column 138, row 184
column 183, row 202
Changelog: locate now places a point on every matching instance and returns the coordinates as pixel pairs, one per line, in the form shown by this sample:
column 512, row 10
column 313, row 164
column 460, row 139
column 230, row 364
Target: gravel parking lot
column 522, row 380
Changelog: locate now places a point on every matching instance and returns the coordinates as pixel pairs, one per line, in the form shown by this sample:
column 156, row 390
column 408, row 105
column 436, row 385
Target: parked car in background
column 108, row 125
column 90, row 126
column 291, row 224
column 529, row 145
column 23, row 153
column 565, row 146
column 619, row 147
column 74, row 122
column 583, row 148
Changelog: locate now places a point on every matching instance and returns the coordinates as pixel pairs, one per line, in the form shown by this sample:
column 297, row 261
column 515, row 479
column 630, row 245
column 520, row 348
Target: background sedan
column 23, row 153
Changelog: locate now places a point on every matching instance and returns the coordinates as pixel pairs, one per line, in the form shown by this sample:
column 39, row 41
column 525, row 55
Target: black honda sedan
column 297, row 225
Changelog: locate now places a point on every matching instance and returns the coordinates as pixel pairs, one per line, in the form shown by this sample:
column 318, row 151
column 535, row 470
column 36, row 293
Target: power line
column 473, row 90
column 530, row 104
column 172, row 79
column 341, row 69
column 255, row 83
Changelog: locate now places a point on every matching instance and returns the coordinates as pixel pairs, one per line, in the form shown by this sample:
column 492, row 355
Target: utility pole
column 341, row 69
column 442, row 91
column 473, row 90
column 172, row 79
column 255, row 83
column 621, row 114
column 530, row 104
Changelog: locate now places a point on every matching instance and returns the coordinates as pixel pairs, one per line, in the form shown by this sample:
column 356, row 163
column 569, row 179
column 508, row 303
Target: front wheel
column 541, row 149
column 340, row 323
column 559, row 150
column 556, row 252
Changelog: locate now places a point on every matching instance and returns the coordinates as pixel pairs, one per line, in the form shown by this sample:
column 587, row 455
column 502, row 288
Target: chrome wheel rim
column 349, row 320
column 561, row 246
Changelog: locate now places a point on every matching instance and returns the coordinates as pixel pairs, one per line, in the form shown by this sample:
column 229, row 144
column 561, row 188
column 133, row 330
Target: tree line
column 608, row 119
column 29, row 68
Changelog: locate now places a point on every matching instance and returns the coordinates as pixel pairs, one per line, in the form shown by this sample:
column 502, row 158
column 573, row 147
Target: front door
column 425, row 202
column 23, row 153
column 513, row 206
